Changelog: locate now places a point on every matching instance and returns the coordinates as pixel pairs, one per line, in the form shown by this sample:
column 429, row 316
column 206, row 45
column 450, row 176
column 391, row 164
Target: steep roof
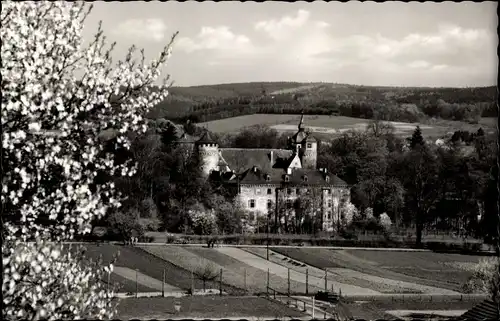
column 311, row 138
column 241, row 159
column 277, row 176
column 206, row 138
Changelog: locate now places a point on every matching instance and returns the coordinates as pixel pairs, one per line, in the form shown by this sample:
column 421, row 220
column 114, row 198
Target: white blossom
column 385, row 220
column 349, row 212
column 57, row 97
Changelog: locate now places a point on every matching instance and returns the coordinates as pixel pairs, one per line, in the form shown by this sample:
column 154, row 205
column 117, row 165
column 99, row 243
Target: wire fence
column 222, row 282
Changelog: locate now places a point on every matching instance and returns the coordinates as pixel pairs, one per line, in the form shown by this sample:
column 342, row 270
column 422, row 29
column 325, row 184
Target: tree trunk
column 419, row 227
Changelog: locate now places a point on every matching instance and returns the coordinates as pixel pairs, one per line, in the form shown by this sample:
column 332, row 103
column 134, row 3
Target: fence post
column 307, row 281
column 220, row 282
column 268, row 280
column 313, row 308
column 288, row 281
column 326, row 280
column 245, row 280
column 192, row 282
column 136, row 283
column 163, row 284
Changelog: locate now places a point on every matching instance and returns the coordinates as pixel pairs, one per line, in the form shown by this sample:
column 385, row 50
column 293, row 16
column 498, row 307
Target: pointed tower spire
column 301, row 123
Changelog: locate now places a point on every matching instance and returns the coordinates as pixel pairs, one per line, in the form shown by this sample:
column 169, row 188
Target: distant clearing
column 332, row 125
column 294, row 90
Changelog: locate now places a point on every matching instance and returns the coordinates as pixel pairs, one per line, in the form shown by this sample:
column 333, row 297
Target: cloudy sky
column 392, row 43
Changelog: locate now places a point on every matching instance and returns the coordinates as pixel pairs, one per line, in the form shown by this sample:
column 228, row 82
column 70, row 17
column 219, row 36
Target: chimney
column 289, row 170
column 272, row 158
column 254, row 169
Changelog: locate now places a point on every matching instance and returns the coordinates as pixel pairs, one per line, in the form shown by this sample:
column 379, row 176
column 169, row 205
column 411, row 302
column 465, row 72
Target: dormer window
column 287, row 178
column 268, row 177
column 309, row 145
column 304, row 178
column 327, row 179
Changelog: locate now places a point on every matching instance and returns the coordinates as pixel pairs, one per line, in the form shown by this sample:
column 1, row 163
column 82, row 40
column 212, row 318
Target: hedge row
column 298, row 240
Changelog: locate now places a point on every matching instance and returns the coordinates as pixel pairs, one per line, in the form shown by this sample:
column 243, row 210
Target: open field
column 235, row 124
column 432, row 266
column 360, row 279
column 203, row 307
column 256, row 279
column 147, row 264
column 334, row 125
column 127, row 285
column 315, row 283
column 372, row 310
column 231, row 282
column 144, row 280
column 424, row 268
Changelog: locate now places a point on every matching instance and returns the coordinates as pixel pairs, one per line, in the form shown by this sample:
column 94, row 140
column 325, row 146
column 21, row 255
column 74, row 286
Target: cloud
column 219, row 38
column 449, row 46
column 419, row 64
column 151, row 29
column 278, row 29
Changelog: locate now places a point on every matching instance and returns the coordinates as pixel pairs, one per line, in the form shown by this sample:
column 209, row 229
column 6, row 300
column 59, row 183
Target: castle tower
column 309, row 157
column 306, row 145
column 208, row 152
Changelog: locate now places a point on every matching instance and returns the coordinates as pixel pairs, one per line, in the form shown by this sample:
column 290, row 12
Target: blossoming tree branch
column 58, row 97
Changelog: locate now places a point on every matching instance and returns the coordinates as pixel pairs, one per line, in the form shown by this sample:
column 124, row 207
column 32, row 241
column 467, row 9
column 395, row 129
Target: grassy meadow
column 324, row 125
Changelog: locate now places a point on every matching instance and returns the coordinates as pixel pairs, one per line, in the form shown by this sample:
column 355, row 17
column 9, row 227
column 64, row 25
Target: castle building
column 266, row 180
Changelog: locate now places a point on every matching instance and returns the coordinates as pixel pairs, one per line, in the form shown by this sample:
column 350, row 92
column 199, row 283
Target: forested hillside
column 206, row 103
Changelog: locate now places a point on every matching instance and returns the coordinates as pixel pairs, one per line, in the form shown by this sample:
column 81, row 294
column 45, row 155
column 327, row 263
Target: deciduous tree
column 58, row 97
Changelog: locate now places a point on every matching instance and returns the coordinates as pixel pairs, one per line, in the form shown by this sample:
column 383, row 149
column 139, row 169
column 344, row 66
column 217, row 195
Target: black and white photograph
column 242, row 160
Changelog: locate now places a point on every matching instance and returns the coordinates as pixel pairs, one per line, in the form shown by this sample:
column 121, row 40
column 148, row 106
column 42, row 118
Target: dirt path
column 258, row 262
column 143, row 279
column 435, row 313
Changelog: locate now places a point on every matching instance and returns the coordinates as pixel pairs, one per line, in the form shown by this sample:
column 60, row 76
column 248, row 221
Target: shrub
column 385, row 221
column 485, row 278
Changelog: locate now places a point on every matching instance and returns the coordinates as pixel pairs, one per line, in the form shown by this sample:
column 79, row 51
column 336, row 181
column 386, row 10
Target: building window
column 269, row 191
column 329, row 191
column 289, row 191
column 269, row 204
column 327, row 179
column 251, row 216
column 251, row 203
column 329, row 215
column 305, row 178
column 268, row 178
column 329, row 203
column 287, row 178
column 298, row 191
column 257, row 191
column 309, row 145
